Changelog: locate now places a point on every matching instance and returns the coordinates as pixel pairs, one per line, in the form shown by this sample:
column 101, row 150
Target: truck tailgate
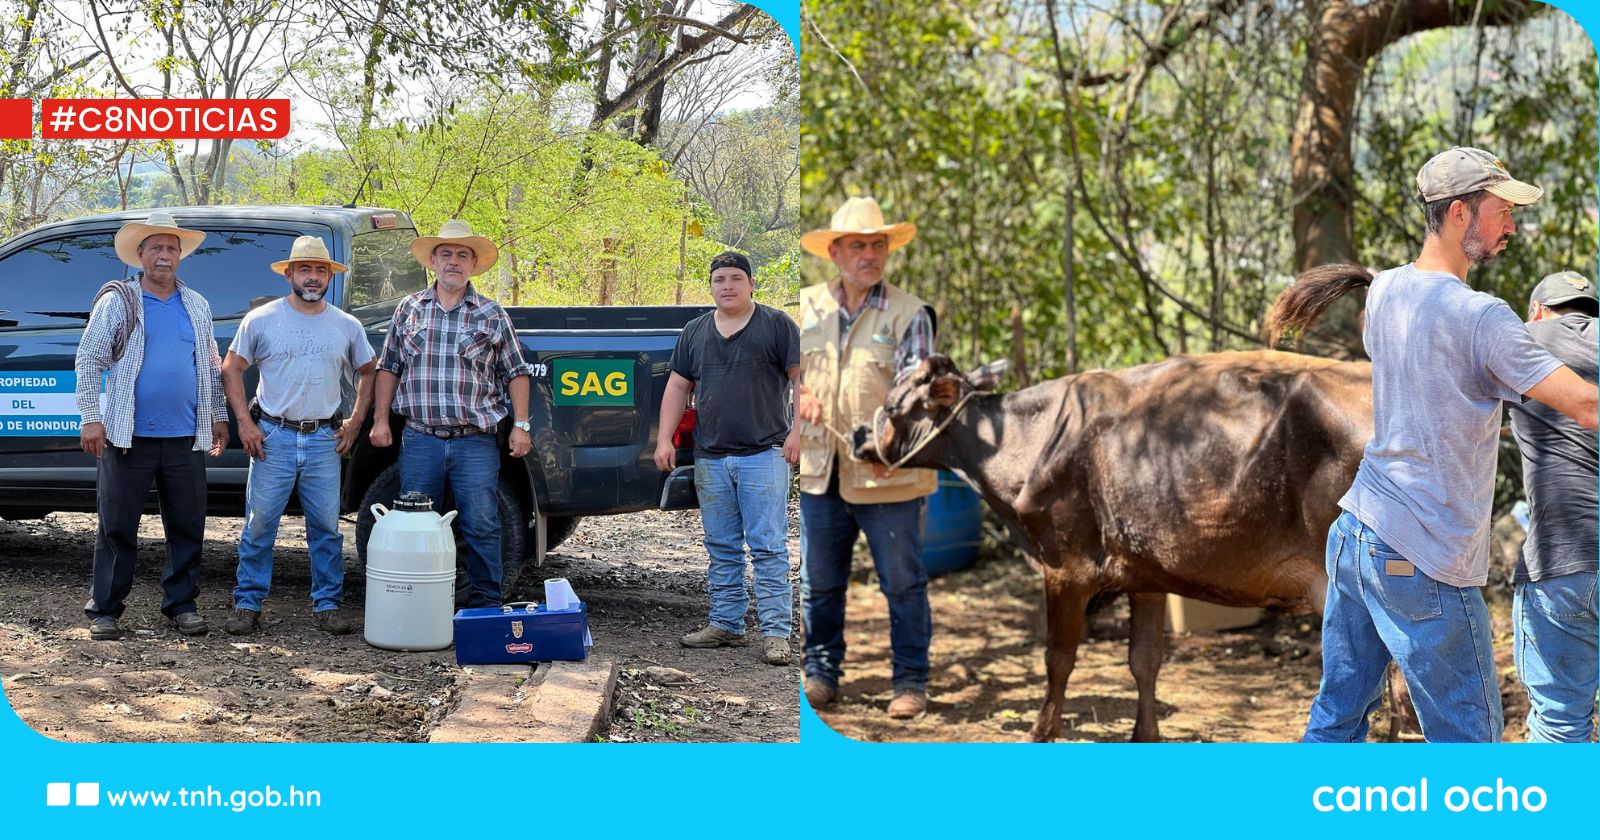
column 598, row 377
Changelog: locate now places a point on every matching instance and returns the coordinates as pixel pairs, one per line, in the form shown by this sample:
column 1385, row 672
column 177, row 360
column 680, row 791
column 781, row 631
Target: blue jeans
column 1437, row 633
column 744, row 499
column 828, row 529
column 471, row 465
column 1556, row 655
column 309, row 459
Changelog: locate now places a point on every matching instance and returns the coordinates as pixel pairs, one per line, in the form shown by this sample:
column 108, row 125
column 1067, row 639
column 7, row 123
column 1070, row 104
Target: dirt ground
column 642, row 575
column 988, row 675
column 644, row 578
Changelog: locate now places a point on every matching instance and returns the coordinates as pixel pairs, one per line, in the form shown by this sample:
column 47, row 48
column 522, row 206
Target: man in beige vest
column 858, row 337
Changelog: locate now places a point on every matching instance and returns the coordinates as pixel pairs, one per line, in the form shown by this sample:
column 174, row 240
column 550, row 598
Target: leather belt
column 303, row 426
column 444, row 432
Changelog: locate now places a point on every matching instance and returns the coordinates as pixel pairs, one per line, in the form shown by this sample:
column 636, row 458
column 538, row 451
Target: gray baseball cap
column 1563, row 287
column 1463, row 170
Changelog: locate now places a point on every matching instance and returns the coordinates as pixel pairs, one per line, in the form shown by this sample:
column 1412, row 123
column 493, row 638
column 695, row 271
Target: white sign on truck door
column 41, row 403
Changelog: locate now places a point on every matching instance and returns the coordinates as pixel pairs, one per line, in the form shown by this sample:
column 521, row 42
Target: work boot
column 104, row 629
column 775, row 650
column 711, row 636
column 190, row 623
column 820, row 692
column 907, row 705
column 332, row 621
column 242, row 622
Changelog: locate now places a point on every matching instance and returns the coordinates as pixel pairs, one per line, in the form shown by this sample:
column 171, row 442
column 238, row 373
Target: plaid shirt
column 452, row 363
column 915, row 345
column 94, row 359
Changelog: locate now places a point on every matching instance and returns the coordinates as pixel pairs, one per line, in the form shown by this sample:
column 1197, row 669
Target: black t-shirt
column 741, row 383
column 1559, row 469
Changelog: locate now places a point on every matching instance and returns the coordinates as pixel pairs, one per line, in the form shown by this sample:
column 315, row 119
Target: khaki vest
column 852, row 380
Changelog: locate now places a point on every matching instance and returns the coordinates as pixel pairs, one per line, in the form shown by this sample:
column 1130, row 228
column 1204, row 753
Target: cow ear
column 943, row 392
column 936, row 365
column 987, row 377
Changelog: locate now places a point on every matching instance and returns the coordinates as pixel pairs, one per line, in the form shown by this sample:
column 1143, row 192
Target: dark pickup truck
column 599, row 372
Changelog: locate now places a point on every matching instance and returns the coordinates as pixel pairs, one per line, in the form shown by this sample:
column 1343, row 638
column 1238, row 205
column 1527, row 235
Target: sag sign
column 593, row 382
column 615, row 384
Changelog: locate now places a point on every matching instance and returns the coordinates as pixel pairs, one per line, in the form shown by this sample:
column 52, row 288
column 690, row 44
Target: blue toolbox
column 521, row 632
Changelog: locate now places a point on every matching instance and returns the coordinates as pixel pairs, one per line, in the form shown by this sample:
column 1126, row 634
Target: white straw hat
column 857, row 216
column 132, row 234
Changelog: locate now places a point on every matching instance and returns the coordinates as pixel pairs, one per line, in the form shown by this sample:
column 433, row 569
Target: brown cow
column 1212, row 476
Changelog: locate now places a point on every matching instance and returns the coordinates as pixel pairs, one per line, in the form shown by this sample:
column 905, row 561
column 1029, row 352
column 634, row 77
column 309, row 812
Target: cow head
column 917, row 405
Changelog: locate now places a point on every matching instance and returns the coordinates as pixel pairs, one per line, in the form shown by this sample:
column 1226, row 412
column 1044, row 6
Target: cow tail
column 1310, row 294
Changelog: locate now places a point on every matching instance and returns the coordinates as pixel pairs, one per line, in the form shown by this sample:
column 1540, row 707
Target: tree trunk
column 608, row 273
column 649, row 51
column 649, row 126
column 1319, row 151
column 1019, row 350
column 514, row 199
column 1342, row 40
column 654, row 65
column 683, row 250
column 1069, row 271
column 369, row 69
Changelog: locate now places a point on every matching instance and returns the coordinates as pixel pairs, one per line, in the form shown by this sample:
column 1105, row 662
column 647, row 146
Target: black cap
column 413, row 500
column 732, row 259
column 1564, row 287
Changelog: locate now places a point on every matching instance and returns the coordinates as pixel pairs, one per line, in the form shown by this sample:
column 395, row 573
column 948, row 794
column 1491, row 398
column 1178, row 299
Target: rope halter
column 877, row 437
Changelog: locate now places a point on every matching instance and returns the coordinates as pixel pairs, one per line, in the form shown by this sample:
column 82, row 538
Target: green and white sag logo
column 593, row 382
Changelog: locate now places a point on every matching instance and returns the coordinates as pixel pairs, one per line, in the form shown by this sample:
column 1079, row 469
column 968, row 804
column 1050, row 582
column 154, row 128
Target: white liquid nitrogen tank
column 411, row 576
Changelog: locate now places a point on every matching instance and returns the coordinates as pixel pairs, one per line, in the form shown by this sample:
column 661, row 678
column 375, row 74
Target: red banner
column 16, row 119
column 165, row 119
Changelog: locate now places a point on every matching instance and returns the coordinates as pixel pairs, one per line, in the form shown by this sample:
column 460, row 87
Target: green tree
column 569, row 234
column 1149, row 152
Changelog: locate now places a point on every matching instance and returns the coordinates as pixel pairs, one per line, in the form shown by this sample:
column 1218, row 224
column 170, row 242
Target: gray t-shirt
column 1444, row 359
column 306, row 361
column 1559, row 462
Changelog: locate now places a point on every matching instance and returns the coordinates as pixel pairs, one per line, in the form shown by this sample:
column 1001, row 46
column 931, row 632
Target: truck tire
column 558, row 528
column 513, row 537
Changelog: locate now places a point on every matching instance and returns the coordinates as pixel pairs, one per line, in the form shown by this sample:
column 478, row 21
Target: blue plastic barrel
column 954, row 527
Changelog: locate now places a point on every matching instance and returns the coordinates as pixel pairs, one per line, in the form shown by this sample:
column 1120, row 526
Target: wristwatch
column 523, row 425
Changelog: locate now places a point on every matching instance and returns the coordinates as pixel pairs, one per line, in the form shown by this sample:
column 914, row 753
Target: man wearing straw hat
column 449, row 358
column 306, row 350
column 163, row 408
column 858, row 336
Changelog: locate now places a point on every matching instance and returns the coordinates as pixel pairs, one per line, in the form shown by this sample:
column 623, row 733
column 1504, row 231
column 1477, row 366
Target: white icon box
column 57, row 794
column 88, row 793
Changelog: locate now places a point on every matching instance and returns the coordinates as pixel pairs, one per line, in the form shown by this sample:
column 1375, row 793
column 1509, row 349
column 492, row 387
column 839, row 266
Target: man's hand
column 666, row 456
column 219, row 438
column 92, row 438
column 381, row 435
column 791, row 446
column 346, row 435
column 809, row 409
column 521, row 443
column 251, row 436
column 881, row 471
